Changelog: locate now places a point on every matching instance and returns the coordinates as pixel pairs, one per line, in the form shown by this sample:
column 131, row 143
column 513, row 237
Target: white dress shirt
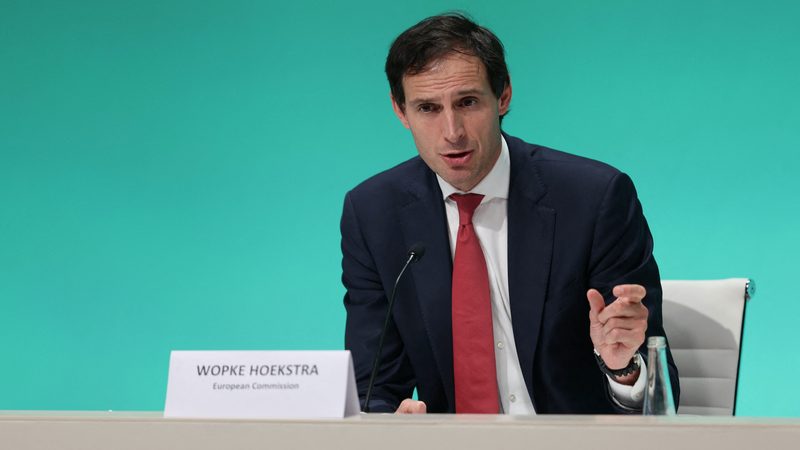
column 490, row 222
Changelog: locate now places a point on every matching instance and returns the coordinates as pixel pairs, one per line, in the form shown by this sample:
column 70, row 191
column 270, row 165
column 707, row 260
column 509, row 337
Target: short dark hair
column 433, row 38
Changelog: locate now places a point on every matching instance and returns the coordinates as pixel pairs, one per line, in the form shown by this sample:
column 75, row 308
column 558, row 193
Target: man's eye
column 472, row 101
column 426, row 108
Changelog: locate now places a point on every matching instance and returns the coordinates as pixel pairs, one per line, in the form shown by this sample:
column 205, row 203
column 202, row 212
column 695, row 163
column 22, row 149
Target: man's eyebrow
column 419, row 101
column 473, row 91
column 465, row 92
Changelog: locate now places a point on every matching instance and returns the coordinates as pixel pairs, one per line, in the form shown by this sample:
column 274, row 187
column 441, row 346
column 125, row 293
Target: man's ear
column 504, row 102
column 398, row 111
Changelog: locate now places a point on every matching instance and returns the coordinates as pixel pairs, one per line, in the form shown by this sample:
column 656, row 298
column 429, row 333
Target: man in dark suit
column 538, row 287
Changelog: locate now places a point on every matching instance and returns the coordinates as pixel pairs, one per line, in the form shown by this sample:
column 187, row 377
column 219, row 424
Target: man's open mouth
column 456, row 156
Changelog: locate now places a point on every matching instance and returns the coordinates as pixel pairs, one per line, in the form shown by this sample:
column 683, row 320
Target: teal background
column 172, row 172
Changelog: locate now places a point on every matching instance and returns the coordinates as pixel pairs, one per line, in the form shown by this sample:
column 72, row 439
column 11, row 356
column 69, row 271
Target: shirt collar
column 493, row 185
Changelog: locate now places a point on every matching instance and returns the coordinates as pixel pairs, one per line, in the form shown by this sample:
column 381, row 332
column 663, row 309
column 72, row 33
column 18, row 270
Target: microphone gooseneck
column 415, row 253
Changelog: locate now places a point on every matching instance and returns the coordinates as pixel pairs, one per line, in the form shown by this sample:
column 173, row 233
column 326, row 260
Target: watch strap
column 632, row 366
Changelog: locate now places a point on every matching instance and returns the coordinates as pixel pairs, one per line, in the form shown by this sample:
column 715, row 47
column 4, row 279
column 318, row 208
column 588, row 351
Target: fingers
column 627, row 304
column 596, row 304
column 633, row 293
column 623, row 310
column 622, row 323
column 618, row 329
column 411, row 406
column 621, row 330
column 627, row 332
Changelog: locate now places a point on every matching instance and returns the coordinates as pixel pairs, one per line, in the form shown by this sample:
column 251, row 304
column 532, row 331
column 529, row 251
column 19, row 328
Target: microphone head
column 417, row 251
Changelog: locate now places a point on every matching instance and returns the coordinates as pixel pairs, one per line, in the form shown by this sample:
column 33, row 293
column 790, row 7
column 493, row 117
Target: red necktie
column 473, row 339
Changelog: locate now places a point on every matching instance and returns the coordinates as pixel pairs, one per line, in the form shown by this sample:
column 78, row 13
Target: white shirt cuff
column 630, row 396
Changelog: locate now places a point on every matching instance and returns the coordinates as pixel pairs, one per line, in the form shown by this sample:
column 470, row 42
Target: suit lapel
column 531, row 229
column 423, row 220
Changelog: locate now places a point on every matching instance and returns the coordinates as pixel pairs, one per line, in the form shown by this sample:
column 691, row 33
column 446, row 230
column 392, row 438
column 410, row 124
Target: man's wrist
column 623, row 374
column 628, row 380
column 630, row 395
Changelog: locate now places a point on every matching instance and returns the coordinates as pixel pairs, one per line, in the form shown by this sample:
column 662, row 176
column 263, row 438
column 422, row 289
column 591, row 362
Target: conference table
column 85, row 430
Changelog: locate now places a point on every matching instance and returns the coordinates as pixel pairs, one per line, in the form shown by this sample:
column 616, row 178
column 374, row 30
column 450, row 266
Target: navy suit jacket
column 573, row 224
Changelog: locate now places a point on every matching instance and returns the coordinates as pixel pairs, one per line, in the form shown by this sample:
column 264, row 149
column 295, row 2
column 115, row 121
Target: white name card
column 261, row 384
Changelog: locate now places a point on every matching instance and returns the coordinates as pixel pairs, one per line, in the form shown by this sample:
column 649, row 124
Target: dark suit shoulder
column 559, row 160
column 557, row 172
column 406, row 180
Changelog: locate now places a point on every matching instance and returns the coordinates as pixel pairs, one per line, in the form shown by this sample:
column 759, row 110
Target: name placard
column 261, row 384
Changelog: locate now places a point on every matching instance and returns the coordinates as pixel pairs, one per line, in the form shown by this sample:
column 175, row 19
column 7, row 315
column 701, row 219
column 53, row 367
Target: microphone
column 415, row 253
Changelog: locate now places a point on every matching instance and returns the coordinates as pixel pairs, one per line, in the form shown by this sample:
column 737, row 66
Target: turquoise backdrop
column 172, row 172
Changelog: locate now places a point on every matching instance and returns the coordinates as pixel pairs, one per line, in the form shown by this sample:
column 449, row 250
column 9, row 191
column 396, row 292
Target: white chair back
column 704, row 321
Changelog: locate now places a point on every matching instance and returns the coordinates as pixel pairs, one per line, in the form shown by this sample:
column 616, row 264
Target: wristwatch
column 632, row 366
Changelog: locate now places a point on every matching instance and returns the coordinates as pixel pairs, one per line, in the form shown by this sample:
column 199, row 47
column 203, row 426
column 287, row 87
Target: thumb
column 596, row 303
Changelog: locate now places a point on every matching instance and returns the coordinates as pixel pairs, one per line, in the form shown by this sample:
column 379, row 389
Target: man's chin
column 459, row 180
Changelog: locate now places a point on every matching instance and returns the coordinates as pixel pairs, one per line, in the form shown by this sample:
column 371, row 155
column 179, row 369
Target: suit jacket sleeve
column 622, row 253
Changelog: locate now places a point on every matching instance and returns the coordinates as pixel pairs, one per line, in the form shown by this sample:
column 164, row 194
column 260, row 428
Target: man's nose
column 453, row 127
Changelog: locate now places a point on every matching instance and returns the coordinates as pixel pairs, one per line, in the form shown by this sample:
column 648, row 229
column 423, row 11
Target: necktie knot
column 467, row 204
